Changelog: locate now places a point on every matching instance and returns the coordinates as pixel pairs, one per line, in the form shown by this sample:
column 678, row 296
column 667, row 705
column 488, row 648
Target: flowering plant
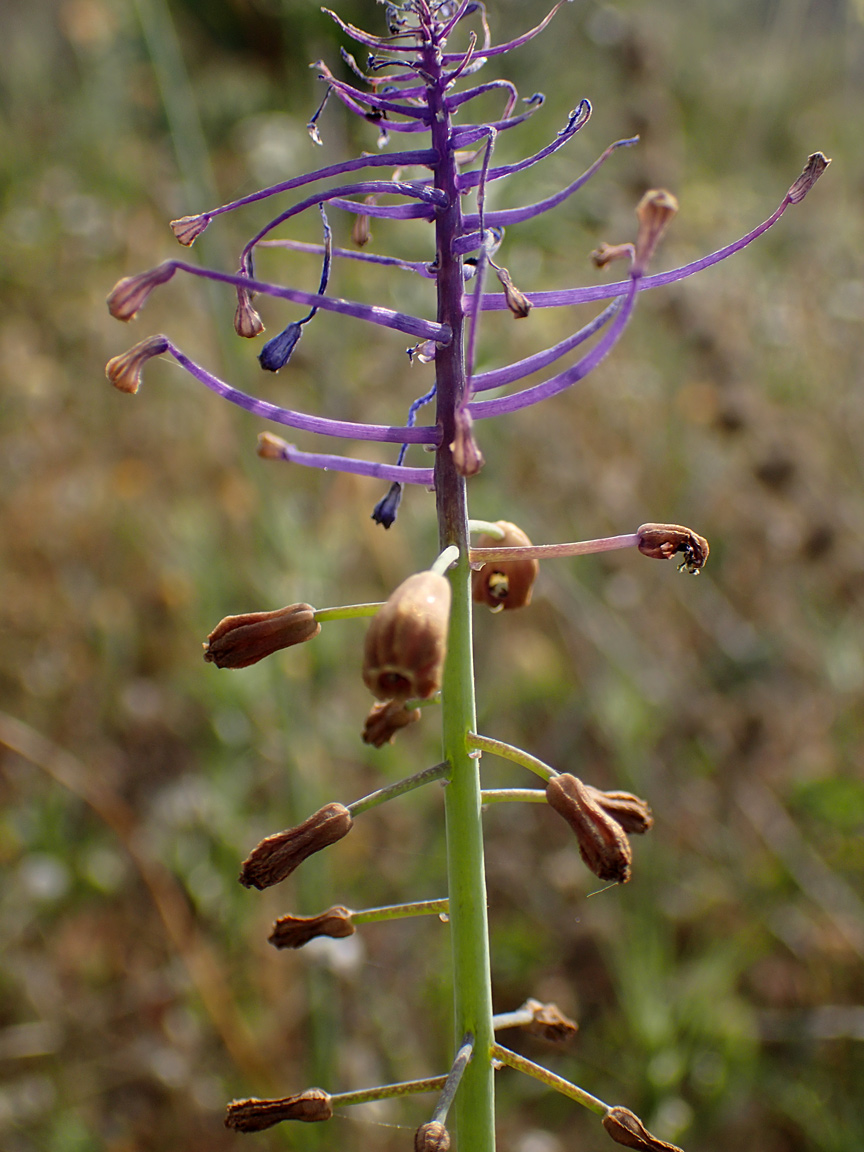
column 418, row 648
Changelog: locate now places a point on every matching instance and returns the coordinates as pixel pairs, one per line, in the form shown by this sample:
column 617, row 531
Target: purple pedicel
column 412, row 81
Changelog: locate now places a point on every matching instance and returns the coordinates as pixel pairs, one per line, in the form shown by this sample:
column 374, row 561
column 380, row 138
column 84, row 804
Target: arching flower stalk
column 419, row 646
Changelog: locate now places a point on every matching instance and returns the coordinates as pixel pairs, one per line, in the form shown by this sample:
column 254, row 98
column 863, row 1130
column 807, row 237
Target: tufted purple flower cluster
column 411, row 85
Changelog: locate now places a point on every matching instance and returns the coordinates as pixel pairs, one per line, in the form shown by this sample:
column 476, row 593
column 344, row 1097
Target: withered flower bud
column 407, row 640
column 278, row 855
column 549, row 1022
column 385, row 720
column 626, row 1128
column 188, row 228
column 295, row 931
column 632, row 814
column 247, row 322
column 124, row 371
column 505, row 583
column 466, row 453
column 271, row 447
column 238, row 641
column 432, row 1137
column 660, row 541
column 130, row 294
column 517, row 301
column 654, row 212
column 361, row 233
column 255, row 1115
column 277, row 351
column 606, row 253
column 603, row 844
column 387, row 508
column 813, row 169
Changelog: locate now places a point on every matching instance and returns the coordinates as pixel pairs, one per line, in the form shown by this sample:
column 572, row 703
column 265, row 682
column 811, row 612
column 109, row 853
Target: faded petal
column 255, row 1115
column 603, row 844
column 238, row 641
column 278, row 855
column 295, row 931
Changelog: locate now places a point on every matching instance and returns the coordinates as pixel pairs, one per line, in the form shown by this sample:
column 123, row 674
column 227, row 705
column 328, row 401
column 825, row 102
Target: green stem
column 399, row 911
column 407, row 1088
column 446, row 560
column 436, row 772
column 487, row 528
column 346, row 612
column 512, row 1060
column 502, row 795
column 509, row 752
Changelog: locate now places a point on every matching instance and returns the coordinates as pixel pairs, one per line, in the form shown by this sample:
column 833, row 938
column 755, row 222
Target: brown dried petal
column 432, row 1137
column 295, row 931
column 661, row 541
column 517, row 301
column 278, row 855
column 255, row 1115
column 550, row 1022
column 626, row 1128
column 238, row 641
column 606, row 253
column 407, row 640
column 130, row 294
column 188, row 228
column 654, row 212
column 271, row 447
column 124, row 371
column 813, row 169
column 466, row 452
column 633, row 814
column 385, row 720
column 505, row 583
column 247, row 322
column 603, row 844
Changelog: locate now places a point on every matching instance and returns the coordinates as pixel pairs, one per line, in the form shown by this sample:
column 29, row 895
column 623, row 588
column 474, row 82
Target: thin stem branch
column 401, row 911
column 436, row 772
column 513, row 1060
column 509, row 752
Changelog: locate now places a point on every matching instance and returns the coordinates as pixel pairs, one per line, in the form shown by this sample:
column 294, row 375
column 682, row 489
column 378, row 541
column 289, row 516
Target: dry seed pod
column 432, row 1137
column 238, row 641
column 407, row 640
column 278, row 855
column 295, row 931
column 385, row 719
column 255, row 1115
column 603, row 843
column 661, row 541
column 626, row 1128
column 505, row 583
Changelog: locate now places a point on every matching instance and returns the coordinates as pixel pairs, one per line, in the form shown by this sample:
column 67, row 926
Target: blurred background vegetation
column 720, row 994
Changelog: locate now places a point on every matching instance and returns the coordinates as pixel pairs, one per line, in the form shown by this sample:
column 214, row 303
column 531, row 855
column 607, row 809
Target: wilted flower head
column 278, row 855
column 603, row 844
column 238, row 641
column 124, row 371
column 407, row 641
column 255, row 1115
column 626, row 1128
column 505, row 583
column 385, row 719
column 295, row 931
column 662, row 541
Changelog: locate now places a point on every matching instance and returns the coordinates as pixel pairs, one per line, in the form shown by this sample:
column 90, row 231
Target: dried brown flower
column 633, row 814
column 654, row 212
column 130, row 294
column 255, row 1115
column 661, row 541
column 124, row 371
column 385, row 719
column 238, row 641
column 603, row 843
column 517, row 301
column 247, row 322
column 432, row 1137
column 407, row 641
column 295, row 931
column 466, row 452
column 626, row 1128
column 188, row 228
column 549, row 1022
column 813, row 169
column 505, row 583
column 278, row 855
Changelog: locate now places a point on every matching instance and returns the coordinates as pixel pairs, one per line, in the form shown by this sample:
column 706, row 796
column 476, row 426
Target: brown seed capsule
column 633, row 814
column 626, row 1128
column 247, row 322
column 255, row 1115
column 385, row 720
column 660, row 541
column 603, row 844
column 432, row 1137
column 517, row 301
column 238, row 641
column 130, row 294
column 407, row 641
column 295, row 931
column 466, row 452
column 549, row 1022
column 505, row 583
column 278, row 855
column 124, row 371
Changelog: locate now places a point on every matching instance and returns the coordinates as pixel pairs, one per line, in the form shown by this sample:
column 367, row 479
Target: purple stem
column 301, row 420
column 500, row 49
column 466, row 134
column 329, row 463
column 522, row 368
column 383, row 44
column 529, row 396
column 420, row 267
column 578, row 118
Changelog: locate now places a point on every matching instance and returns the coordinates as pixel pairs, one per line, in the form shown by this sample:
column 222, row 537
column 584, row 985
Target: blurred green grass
column 720, row 993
